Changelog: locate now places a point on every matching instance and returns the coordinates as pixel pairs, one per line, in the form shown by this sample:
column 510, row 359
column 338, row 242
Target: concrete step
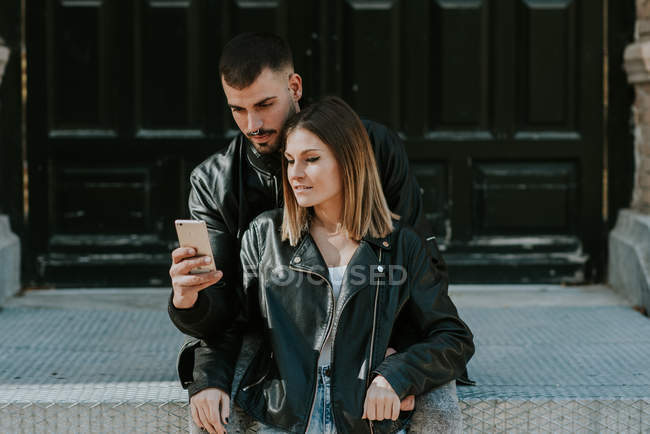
column 555, row 359
column 549, row 359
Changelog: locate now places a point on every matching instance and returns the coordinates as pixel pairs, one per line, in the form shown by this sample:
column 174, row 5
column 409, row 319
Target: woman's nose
column 296, row 171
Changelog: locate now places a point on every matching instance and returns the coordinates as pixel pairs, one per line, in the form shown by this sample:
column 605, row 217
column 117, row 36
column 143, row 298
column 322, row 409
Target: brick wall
column 637, row 65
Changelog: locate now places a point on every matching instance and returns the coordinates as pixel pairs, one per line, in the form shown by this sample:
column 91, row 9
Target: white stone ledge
column 629, row 257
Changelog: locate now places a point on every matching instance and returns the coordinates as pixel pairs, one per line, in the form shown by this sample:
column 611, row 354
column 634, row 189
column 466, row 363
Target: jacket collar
column 307, row 257
column 270, row 164
column 384, row 243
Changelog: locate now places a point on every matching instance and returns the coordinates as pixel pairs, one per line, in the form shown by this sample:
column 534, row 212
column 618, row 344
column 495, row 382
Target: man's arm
column 215, row 305
column 209, row 363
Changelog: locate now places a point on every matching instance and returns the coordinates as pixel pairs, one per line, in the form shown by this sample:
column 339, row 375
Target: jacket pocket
column 262, row 377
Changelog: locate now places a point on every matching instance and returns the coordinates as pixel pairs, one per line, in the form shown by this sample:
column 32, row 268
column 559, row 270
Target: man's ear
column 295, row 86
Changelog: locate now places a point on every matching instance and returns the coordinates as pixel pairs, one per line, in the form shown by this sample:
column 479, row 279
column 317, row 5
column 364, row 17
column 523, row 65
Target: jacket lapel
column 306, row 257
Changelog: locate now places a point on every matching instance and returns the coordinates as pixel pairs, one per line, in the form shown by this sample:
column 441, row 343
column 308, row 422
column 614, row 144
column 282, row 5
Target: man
column 232, row 187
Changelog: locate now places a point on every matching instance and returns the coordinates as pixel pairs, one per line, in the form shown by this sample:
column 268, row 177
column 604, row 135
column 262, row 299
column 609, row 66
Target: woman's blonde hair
column 365, row 210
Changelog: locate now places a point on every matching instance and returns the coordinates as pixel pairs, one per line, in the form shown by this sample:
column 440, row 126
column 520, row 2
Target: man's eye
column 312, row 159
column 235, row 109
column 266, row 104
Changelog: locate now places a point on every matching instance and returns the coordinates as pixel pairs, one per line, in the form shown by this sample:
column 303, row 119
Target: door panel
column 499, row 103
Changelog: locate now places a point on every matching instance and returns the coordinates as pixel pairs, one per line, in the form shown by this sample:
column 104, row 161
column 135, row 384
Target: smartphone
column 194, row 233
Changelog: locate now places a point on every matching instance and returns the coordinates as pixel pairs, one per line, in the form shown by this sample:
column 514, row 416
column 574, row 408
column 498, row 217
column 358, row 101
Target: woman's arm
column 445, row 343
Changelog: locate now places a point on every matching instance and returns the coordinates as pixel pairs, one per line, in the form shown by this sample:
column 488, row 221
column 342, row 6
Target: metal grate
column 538, row 370
column 94, row 417
column 556, row 416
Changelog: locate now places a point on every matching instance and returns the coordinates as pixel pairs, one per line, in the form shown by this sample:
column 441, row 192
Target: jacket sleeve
column 209, row 355
column 210, row 362
column 398, row 181
column 445, row 342
column 213, row 308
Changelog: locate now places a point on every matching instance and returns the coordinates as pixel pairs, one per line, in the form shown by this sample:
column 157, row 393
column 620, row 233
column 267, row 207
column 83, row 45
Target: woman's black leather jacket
column 391, row 295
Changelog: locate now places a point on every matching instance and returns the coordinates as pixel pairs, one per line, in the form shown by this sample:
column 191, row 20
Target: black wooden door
column 499, row 103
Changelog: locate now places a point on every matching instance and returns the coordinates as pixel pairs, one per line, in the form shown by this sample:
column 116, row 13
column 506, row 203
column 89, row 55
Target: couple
column 321, row 366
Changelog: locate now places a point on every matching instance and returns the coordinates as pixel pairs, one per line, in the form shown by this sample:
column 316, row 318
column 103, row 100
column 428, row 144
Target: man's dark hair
column 246, row 55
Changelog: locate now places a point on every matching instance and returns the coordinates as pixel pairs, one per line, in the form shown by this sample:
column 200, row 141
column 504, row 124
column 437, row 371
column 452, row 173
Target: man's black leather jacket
column 233, row 186
column 391, row 294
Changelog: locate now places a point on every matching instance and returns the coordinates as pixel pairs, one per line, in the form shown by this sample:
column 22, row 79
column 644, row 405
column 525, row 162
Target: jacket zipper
column 329, row 329
column 244, row 389
column 372, row 341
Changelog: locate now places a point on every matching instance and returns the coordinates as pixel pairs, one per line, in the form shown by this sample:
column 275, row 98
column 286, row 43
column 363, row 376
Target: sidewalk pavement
column 549, row 358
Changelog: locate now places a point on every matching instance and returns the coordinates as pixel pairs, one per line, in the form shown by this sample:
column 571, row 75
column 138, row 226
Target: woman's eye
column 289, row 161
column 312, row 159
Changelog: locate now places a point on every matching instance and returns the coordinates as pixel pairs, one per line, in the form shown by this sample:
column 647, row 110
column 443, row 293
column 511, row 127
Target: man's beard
column 267, row 147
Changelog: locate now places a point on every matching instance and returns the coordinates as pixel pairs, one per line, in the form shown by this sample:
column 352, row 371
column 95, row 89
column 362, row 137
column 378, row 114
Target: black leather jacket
column 232, row 187
column 392, row 295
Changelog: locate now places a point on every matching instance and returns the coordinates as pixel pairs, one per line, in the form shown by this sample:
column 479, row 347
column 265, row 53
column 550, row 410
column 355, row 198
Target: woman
column 336, row 281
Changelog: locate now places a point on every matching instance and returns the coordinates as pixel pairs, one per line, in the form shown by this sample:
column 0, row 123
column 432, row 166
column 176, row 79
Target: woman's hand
column 211, row 409
column 381, row 401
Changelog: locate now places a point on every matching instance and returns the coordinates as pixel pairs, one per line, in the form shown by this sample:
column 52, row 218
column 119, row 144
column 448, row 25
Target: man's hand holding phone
column 187, row 285
column 192, row 267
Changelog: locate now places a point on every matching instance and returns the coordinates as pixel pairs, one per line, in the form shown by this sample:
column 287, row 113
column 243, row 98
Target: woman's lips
column 301, row 189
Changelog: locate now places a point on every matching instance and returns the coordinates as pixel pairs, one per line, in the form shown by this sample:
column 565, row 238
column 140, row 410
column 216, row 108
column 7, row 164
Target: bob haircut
column 365, row 210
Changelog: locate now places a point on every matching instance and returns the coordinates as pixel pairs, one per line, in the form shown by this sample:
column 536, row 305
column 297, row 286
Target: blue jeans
column 322, row 421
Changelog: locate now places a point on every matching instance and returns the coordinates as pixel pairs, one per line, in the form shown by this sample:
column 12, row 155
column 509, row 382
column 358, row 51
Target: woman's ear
column 295, row 86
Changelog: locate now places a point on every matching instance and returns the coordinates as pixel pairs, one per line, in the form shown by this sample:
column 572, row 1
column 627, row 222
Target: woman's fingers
column 370, row 410
column 215, row 415
column 209, row 406
column 388, row 408
column 195, row 416
column 380, row 406
column 225, row 409
column 206, row 421
column 396, row 406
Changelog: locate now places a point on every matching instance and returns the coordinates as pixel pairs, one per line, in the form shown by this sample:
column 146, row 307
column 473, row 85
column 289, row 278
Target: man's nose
column 254, row 122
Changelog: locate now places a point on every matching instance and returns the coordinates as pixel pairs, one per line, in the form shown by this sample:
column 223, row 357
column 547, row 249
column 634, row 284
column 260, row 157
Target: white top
column 336, row 277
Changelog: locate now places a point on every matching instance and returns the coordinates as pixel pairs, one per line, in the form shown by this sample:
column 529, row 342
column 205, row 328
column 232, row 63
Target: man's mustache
column 259, row 133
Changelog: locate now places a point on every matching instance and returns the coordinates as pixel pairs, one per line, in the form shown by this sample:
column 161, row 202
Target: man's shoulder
column 222, row 162
column 374, row 127
column 380, row 135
